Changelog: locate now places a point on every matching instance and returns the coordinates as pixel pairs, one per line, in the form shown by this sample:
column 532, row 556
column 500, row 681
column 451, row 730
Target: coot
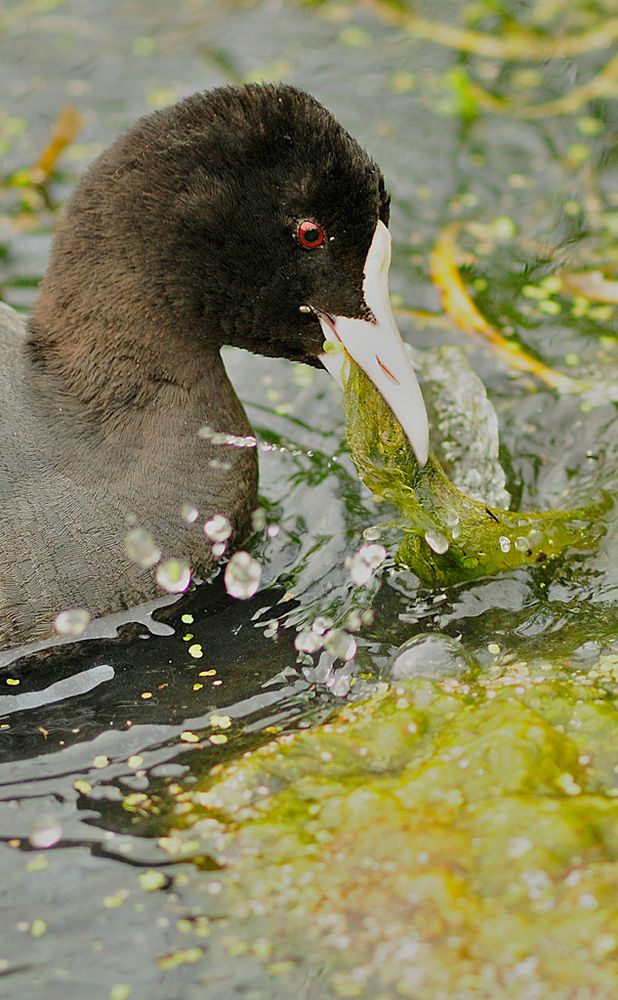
column 244, row 216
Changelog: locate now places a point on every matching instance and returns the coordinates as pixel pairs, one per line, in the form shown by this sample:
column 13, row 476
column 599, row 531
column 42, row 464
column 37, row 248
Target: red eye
column 310, row 235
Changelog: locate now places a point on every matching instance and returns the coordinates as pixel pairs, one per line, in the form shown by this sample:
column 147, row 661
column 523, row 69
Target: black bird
column 244, row 216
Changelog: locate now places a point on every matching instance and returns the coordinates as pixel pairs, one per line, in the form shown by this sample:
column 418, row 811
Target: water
column 94, row 735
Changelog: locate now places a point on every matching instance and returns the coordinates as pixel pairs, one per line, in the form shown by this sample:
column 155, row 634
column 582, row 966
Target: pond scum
column 444, row 839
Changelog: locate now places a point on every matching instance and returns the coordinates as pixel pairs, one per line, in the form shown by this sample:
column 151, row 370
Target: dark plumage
column 182, row 237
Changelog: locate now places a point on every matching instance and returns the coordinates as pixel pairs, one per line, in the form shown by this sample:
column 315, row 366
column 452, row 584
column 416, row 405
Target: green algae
column 436, row 840
column 450, row 537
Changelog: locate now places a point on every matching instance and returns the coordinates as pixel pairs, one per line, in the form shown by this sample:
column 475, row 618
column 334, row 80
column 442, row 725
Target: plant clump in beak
column 449, row 537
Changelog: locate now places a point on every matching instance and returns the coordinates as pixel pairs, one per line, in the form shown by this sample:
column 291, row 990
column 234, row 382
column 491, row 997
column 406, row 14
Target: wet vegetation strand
column 448, row 536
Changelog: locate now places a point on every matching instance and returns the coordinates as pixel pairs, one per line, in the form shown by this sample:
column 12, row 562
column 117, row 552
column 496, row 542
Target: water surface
column 516, row 149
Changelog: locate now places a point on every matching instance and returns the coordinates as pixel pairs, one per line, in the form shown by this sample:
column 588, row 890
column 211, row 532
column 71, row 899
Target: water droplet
column 430, row 655
column 258, row 519
column 436, row 541
column 189, row 513
column 72, row 621
column 273, row 530
column 451, row 518
column 242, row 576
column 365, row 562
column 218, row 549
column 521, row 544
column 505, row 543
column 46, row 832
column 308, row 641
column 218, row 528
column 340, row 644
column 372, row 533
column 174, row 575
column 141, row 547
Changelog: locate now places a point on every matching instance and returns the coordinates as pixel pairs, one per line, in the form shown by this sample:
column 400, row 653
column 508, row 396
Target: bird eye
column 310, row 235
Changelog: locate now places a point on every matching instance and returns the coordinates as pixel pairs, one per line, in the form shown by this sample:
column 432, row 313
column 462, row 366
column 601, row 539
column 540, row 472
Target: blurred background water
column 487, row 127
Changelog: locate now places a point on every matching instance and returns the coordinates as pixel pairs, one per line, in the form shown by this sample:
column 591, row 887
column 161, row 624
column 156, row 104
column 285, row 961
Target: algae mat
column 444, row 839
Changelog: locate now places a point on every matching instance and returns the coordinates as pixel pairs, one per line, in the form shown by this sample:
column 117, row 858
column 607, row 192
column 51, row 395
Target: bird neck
column 110, row 350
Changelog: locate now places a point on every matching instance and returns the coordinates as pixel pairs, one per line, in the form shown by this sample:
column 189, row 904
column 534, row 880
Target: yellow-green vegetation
column 446, row 839
column 450, row 537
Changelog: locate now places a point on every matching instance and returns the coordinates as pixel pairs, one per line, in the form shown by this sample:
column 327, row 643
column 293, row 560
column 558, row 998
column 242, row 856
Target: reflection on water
column 504, row 140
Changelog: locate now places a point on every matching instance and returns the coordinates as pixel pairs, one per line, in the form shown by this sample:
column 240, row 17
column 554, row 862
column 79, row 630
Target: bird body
column 70, row 494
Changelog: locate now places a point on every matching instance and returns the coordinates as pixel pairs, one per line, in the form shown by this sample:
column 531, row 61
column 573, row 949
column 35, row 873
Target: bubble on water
column 430, row 655
column 436, row 541
column 308, row 641
column 340, row 644
column 189, row 513
column 46, row 832
column 521, row 544
column 217, row 528
column 174, row 575
column 365, row 562
column 242, row 576
column 258, row 519
column 372, row 533
column 505, row 543
column 72, row 621
column 141, row 547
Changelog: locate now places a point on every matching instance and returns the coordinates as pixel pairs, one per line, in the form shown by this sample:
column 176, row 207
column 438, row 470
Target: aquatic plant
column 448, row 536
column 454, row 838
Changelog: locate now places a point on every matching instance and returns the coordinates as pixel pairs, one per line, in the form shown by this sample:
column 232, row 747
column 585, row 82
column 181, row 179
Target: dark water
column 85, row 732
